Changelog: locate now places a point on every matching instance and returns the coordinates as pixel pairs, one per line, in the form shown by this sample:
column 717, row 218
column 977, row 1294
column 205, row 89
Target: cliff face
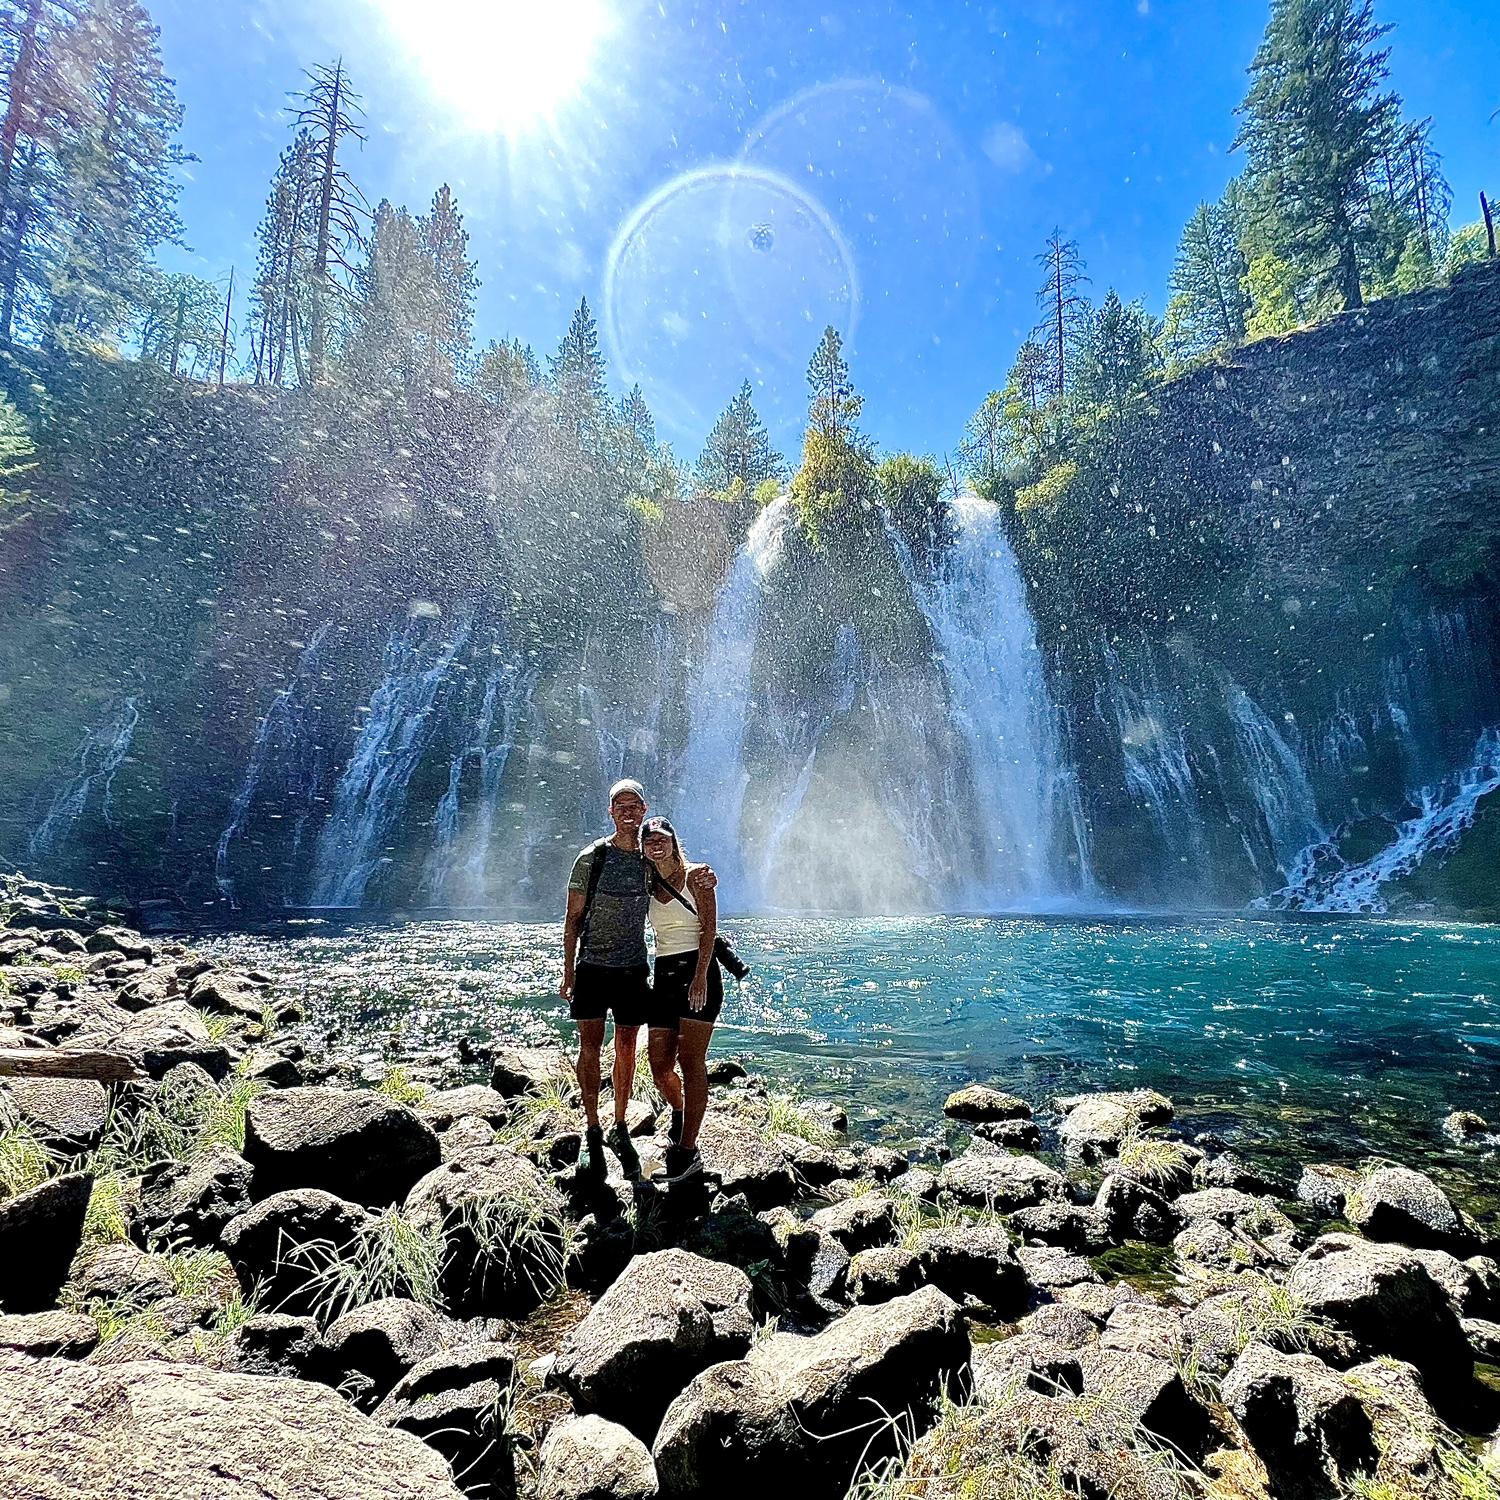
column 216, row 664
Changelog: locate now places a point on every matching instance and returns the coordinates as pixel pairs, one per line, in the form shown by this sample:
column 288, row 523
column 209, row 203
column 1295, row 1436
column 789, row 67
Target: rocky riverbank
column 249, row 1272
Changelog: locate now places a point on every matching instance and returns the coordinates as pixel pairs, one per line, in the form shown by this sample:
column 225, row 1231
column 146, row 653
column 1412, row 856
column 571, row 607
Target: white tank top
column 676, row 927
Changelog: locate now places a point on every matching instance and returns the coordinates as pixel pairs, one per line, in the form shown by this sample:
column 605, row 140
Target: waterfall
column 99, row 757
column 1278, row 781
column 278, row 737
column 1446, row 811
column 371, row 794
column 975, row 605
column 711, row 792
column 458, row 866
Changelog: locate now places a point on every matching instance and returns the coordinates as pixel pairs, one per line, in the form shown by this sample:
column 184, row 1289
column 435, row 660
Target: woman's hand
column 698, row 991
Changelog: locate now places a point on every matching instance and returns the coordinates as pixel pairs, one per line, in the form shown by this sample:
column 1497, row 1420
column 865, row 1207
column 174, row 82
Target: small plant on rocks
column 398, row 1084
column 391, row 1257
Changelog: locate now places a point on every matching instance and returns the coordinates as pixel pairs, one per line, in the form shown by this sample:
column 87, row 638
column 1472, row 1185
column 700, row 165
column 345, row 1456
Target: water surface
column 1294, row 1039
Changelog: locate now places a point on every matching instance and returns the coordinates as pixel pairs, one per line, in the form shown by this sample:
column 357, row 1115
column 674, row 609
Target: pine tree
column 578, row 371
column 286, row 235
column 506, row 373
column 836, row 405
column 738, row 457
column 1117, row 362
column 329, row 109
column 1208, row 299
column 17, row 459
column 1314, row 123
column 117, row 194
column 454, row 284
column 1064, row 308
column 388, row 351
column 179, row 324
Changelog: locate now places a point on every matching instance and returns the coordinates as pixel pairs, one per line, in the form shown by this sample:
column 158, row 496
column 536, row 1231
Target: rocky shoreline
column 248, row 1272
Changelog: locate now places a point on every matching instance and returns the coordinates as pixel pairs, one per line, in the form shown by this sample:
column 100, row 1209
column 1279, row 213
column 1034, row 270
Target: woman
column 687, row 988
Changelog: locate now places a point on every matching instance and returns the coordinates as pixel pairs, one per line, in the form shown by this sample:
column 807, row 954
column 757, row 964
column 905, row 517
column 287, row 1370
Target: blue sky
column 724, row 179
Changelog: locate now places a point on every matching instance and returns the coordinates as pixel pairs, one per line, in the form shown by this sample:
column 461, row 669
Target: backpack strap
column 670, row 889
column 596, row 869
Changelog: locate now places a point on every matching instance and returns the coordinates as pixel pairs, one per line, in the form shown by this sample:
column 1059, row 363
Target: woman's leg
column 661, row 1044
column 692, row 1054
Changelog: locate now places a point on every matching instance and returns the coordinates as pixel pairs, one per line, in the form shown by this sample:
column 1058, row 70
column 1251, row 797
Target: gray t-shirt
column 615, row 936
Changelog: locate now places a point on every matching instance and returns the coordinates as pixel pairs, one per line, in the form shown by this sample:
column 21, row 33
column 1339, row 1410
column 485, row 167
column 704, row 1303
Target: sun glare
column 500, row 65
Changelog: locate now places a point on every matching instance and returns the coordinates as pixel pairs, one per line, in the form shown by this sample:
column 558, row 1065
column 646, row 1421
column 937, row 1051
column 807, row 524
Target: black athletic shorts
column 669, row 992
column 598, row 989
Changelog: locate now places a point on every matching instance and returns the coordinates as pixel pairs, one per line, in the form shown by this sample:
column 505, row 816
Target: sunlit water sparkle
column 1293, row 1039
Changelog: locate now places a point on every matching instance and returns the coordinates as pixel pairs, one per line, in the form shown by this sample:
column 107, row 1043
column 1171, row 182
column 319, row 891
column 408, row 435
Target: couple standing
column 617, row 885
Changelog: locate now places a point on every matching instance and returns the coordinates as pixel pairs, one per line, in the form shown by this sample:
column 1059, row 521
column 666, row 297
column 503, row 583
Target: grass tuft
column 788, row 1116
column 1153, row 1160
column 391, row 1257
column 523, row 1237
column 107, row 1219
column 398, row 1084
column 25, row 1160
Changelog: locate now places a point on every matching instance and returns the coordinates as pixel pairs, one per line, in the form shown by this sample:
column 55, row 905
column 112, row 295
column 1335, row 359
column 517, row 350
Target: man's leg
column 626, row 1038
column 692, row 1055
column 661, row 1043
column 590, row 1041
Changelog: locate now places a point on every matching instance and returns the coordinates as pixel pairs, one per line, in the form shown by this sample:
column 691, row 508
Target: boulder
column 975, row 1262
column 502, row 1223
column 883, row 1164
column 1408, row 1432
column 1229, row 1171
column 1095, row 1124
column 519, row 1070
column 668, row 1316
column 121, row 1274
column 1062, row 1325
column 160, row 1037
column 275, row 1344
column 456, row 1402
column 40, row 1232
column 66, row 1113
column 919, row 1182
column 1395, row 1203
column 465, row 1136
column 1025, row 1362
column 281, row 1245
column 745, row 1163
column 1472, row 1286
column 880, row 1274
column 474, row 1101
column 119, row 940
column 361, row 1145
column 859, row 1223
column 1324, row 1188
column 1145, row 1328
column 1006, row 1135
column 44, row 1335
column 587, row 1458
column 1133, row 1211
column 1049, row 1268
column 1151, row 1389
column 1002, row 1183
column 1063, row 1225
column 1484, row 1338
column 1304, row 1421
column 1098, row 1300
column 366, row 1351
column 1463, row 1126
column 801, row 1413
column 1381, row 1300
column 144, row 1429
column 273, row 1070
column 194, row 1200
column 227, row 994
column 979, row 1102
column 1234, row 1210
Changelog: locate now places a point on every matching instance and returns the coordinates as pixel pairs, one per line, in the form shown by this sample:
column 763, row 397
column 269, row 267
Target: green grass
column 25, row 1161
column 1268, row 1313
column 107, row 1220
column 788, row 1116
column 550, row 1097
column 913, row 1218
column 218, row 1026
column 398, row 1084
column 1153, row 1160
column 391, row 1257
column 524, row 1236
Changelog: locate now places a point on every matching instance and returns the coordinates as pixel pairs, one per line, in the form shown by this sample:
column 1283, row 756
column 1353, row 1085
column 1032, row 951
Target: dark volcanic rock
column 67, row 1113
column 142, row 1430
column 1095, row 1124
column 1002, row 1183
column 880, row 1274
column 275, row 1344
column 515, row 1070
column 281, row 1244
column 39, row 1235
column 122, row 1273
column 1133, row 1211
column 1063, row 1225
column 368, row 1350
column 670, row 1315
column 46, row 1334
column 1305, row 1422
column 744, row 1163
column 981, row 1102
column 975, row 1262
column 474, row 1101
column 1324, row 1188
column 360, row 1145
column 859, row 1223
column 194, row 1200
column 1395, row 1203
column 587, row 1458
column 800, row 1413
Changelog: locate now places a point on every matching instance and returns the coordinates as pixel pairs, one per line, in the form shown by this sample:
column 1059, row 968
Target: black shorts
column 598, row 989
column 669, row 992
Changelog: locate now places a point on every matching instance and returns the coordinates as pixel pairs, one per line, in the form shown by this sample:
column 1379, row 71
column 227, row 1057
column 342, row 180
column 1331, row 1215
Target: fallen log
column 63, row 1062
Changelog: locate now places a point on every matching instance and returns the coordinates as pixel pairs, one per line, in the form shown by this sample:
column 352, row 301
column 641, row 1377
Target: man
column 605, row 966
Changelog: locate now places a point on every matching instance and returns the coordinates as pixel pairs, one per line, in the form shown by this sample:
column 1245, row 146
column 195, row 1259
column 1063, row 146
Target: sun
column 502, row 66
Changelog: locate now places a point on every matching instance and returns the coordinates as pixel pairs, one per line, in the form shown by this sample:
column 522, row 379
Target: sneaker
column 623, row 1147
column 682, row 1163
column 674, row 1135
column 591, row 1157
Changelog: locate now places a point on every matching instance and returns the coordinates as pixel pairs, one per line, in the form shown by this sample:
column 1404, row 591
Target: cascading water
column 99, row 757
column 711, row 789
column 458, row 866
column 1278, row 780
column 280, row 738
column 371, row 794
column 1446, row 812
column 975, row 605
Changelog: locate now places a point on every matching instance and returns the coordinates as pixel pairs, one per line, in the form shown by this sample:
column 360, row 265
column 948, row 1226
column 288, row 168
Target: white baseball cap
column 627, row 785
